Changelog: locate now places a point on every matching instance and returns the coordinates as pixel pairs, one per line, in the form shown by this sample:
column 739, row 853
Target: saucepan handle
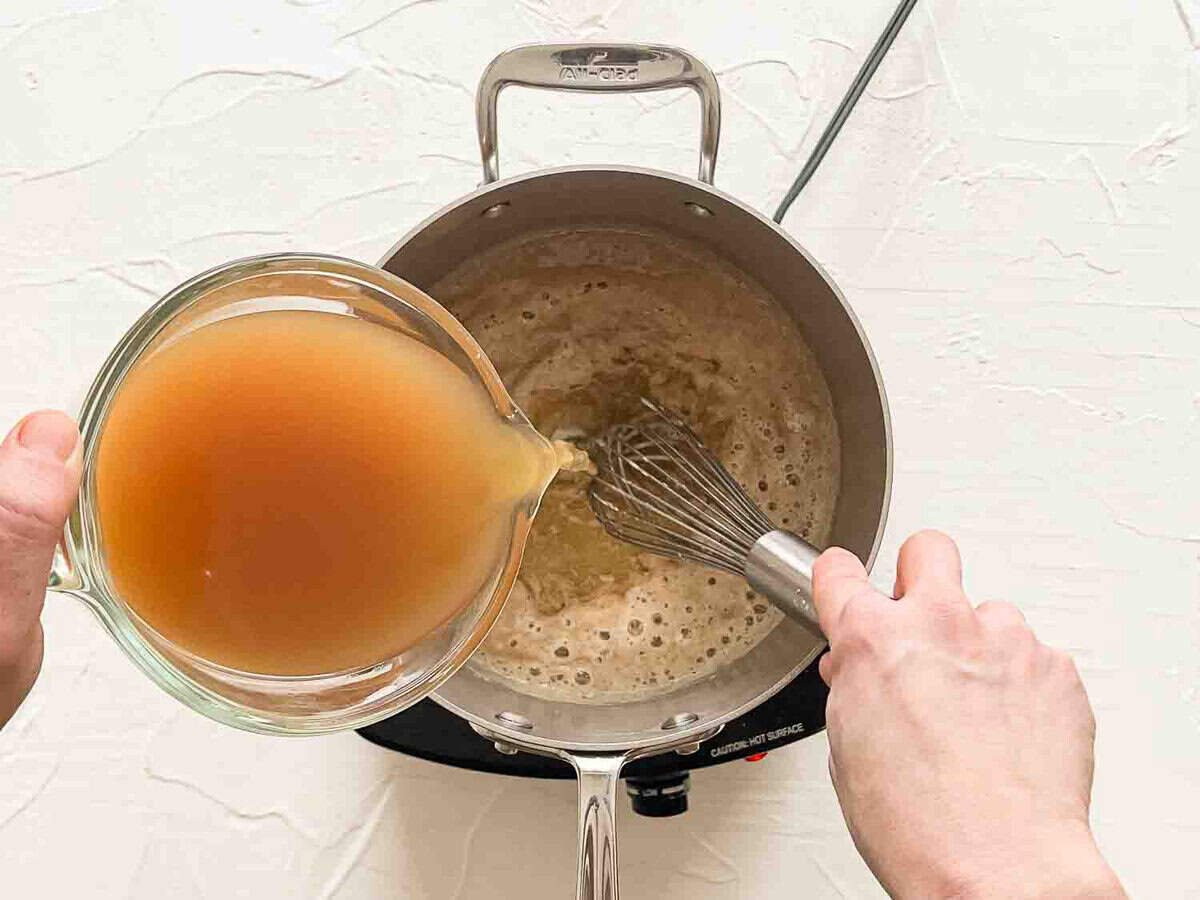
column 604, row 68
column 599, row 777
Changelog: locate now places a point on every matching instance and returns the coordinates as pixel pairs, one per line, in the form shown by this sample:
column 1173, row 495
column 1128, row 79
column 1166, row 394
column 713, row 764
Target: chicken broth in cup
column 295, row 492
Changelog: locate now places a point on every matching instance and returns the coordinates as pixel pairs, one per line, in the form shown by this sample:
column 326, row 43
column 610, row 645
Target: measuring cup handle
column 63, row 574
column 603, row 68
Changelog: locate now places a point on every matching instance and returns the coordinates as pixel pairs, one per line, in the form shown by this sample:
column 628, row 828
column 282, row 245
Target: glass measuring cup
column 285, row 704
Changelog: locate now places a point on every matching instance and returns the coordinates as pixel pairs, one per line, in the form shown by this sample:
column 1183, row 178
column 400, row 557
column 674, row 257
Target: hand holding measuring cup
column 39, row 480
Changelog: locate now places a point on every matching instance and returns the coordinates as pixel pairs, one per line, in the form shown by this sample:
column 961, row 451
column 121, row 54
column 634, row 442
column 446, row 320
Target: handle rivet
column 514, row 720
column 682, row 720
column 495, row 210
column 702, row 211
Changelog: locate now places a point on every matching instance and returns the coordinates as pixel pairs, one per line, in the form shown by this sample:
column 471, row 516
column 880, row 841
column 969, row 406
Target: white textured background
column 1013, row 211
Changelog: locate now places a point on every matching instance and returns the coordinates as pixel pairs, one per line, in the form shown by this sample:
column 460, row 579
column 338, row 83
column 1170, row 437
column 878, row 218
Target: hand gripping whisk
column 659, row 488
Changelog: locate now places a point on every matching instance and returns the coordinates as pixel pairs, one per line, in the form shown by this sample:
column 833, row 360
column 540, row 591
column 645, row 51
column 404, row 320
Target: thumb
column 838, row 578
column 40, row 466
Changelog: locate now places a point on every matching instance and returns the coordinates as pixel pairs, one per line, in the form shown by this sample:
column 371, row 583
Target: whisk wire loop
column 658, row 487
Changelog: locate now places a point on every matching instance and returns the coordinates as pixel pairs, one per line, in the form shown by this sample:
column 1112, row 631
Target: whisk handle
column 779, row 566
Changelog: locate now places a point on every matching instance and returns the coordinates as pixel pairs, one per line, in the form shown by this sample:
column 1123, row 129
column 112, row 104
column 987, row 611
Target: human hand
column 40, row 465
column 960, row 746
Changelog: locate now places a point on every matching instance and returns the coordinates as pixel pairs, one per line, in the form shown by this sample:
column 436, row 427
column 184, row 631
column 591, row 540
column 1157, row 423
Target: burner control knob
column 659, row 796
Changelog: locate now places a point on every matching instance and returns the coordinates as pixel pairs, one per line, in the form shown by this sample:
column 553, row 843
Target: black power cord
column 861, row 80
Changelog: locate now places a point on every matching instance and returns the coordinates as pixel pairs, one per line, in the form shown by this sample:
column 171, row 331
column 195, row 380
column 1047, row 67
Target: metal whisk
column 658, row 487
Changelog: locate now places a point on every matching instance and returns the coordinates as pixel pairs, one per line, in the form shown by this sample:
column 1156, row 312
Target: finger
column 929, row 561
column 825, row 668
column 838, row 577
column 40, row 465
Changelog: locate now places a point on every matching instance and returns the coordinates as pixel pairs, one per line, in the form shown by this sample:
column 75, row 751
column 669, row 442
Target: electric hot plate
column 657, row 785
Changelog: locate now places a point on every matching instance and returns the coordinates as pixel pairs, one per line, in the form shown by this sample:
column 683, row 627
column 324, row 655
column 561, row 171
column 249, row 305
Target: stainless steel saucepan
column 598, row 740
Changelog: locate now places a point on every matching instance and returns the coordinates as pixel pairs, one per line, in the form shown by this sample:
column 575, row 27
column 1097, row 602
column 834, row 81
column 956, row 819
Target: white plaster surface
column 1013, row 211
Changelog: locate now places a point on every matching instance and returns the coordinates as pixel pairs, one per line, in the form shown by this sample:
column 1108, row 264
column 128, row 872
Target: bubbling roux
column 580, row 325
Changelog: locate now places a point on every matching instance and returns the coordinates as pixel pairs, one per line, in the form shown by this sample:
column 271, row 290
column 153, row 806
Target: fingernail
column 50, row 433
